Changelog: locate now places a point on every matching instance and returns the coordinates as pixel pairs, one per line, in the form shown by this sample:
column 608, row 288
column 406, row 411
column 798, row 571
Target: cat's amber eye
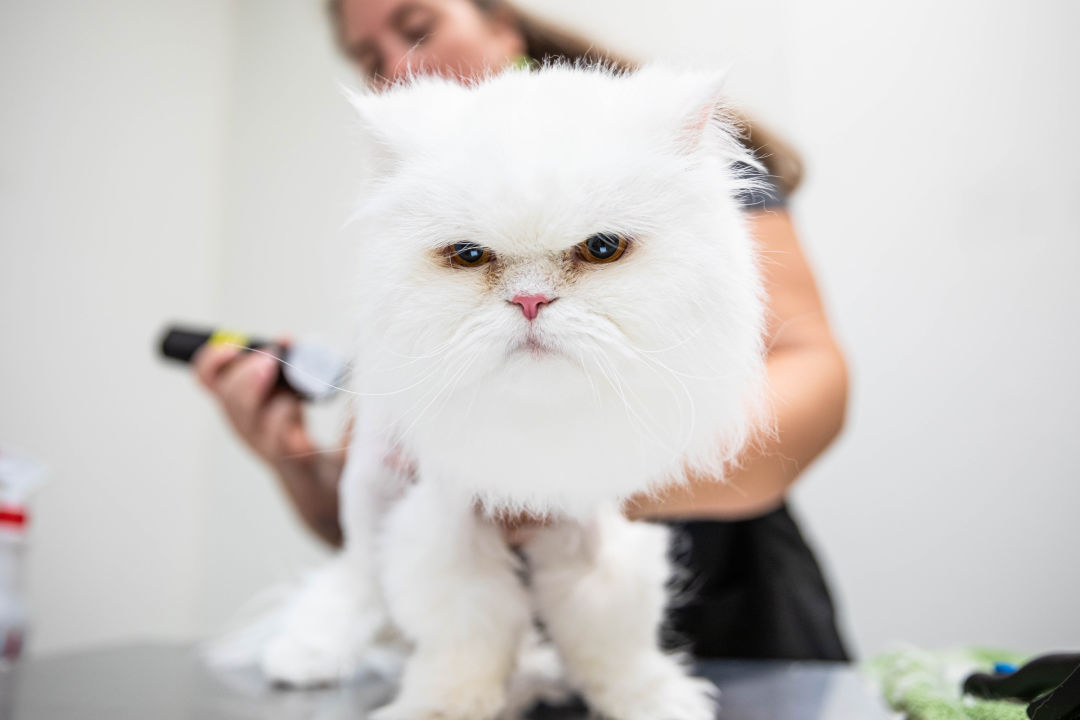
column 603, row 248
column 468, row 255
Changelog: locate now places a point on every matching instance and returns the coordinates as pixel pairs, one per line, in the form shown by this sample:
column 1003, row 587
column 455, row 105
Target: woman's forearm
column 312, row 485
column 808, row 388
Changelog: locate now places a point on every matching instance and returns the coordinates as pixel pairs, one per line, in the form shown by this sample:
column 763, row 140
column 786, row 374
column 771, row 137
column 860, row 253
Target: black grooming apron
column 752, row 589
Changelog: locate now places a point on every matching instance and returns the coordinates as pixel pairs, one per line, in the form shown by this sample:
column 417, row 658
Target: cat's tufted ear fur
column 398, row 122
column 381, row 154
column 703, row 121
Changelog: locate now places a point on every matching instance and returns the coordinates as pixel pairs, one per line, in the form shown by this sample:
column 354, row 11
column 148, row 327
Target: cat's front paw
column 480, row 701
column 296, row 662
column 539, row 677
column 664, row 696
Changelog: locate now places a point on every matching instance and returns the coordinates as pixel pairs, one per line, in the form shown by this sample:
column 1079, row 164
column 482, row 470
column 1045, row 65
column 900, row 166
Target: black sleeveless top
column 753, row 588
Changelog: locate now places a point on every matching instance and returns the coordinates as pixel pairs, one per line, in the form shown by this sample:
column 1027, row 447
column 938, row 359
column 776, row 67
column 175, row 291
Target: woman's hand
column 270, row 421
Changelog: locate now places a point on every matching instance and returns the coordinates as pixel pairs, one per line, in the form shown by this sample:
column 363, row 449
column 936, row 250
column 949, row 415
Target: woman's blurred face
column 454, row 38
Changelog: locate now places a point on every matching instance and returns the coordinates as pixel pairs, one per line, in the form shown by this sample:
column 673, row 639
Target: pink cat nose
column 530, row 304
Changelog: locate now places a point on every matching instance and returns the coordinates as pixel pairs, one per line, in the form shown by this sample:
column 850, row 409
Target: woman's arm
column 808, row 385
column 312, row 486
column 271, row 423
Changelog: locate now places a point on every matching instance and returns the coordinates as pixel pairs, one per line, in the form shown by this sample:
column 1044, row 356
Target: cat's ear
column 381, row 146
column 399, row 121
column 704, row 120
column 711, row 123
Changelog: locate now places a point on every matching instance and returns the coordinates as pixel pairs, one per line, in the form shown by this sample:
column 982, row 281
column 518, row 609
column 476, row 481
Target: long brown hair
column 545, row 41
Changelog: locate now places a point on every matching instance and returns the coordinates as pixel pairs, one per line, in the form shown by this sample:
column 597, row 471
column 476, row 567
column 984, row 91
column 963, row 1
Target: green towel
column 926, row 685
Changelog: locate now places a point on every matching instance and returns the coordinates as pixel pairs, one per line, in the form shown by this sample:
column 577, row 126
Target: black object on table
column 1051, row 684
column 172, row 683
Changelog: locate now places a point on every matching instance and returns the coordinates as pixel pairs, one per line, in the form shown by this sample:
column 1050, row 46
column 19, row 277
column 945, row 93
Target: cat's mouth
column 534, row 345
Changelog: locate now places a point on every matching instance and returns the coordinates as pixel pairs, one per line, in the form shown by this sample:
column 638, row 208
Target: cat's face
column 551, row 243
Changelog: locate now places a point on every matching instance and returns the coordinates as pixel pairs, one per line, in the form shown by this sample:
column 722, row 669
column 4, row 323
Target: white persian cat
column 560, row 306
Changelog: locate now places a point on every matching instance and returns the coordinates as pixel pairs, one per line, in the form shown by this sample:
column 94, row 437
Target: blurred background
column 195, row 161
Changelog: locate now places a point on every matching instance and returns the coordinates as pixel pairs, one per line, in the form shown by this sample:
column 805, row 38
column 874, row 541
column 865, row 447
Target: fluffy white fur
column 640, row 367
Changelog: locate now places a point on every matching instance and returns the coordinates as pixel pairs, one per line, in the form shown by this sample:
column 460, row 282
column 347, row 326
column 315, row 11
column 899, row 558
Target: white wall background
column 194, row 160
column 111, row 156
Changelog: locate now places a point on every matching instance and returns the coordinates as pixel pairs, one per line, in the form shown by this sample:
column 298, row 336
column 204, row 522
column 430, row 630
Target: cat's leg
column 452, row 588
column 538, row 677
column 600, row 589
column 328, row 630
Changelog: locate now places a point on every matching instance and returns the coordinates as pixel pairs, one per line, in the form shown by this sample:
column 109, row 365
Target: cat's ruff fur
column 646, row 365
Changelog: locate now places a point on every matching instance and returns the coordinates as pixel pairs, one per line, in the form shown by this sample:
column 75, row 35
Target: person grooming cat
column 760, row 591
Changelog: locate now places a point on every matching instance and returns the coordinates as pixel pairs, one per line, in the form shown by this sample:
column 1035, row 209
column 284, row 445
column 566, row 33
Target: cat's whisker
column 618, row 391
column 446, row 372
column 469, row 407
column 414, row 358
column 624, row 337
column 615, row 381
column 719, row 375
column 424, row 395
column 650, row 422
column 453, row 344
column 787, row 323
column 330, row 385
column 635, row 422
column 434, row 354
column 433, row 366
column 686, row 429
column 405, row 58
column 764, row 259
column 458, row 373
column 687, row 411
column 685, row 339
column 448, row 392
column 411, row 386
column 588, row 376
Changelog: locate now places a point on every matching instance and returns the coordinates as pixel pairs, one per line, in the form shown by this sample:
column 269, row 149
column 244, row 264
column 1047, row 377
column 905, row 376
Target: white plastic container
column 13, row 611
column 19, row 477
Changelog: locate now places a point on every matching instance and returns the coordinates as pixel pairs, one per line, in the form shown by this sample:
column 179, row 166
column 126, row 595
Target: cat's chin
column 533, row 347
column 538, row 375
